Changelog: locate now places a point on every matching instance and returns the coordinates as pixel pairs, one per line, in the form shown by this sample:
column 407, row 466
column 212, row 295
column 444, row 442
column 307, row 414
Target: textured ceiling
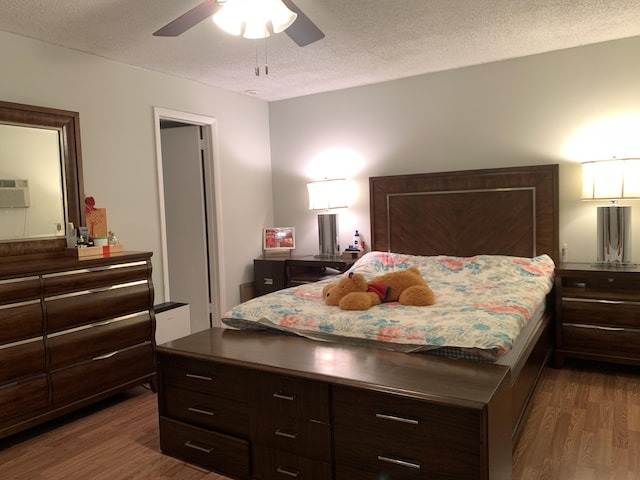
column 367, row 41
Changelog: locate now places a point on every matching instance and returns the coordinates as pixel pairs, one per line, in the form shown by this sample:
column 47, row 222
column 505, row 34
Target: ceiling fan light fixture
column 281, row 17
column 254, row 27
column 250, row 18
column 229, row 18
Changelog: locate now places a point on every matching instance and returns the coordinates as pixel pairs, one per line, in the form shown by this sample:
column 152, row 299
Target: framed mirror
column 41, row 188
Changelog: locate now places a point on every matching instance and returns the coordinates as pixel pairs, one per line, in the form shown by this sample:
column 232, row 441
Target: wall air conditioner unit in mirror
column 14, row 194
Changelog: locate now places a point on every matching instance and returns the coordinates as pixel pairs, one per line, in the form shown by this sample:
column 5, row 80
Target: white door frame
column 213, row 199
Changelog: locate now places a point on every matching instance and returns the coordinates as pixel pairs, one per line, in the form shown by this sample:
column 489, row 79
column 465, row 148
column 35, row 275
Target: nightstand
column 597, row 313
column 272, row 274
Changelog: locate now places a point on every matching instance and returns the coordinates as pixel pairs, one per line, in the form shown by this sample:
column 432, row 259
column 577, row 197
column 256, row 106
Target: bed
column 500, row 221
column 485, row 306
column 474, row 400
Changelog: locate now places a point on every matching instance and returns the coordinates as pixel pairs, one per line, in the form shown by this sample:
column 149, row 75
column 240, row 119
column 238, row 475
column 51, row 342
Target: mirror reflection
column 31, row 189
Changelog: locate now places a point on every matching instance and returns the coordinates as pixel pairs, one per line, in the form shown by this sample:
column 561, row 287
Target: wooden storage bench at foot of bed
column 312, row 408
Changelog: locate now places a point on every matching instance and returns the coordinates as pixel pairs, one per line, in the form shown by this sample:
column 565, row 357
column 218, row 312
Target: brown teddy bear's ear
column 360, row 281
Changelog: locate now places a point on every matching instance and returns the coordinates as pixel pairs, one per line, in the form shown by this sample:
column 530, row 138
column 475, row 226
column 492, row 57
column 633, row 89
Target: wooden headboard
column 503, row 211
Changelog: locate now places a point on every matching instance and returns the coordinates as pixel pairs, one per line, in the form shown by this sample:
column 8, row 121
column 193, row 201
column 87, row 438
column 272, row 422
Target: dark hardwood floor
column 114, row 440
column 584, row 425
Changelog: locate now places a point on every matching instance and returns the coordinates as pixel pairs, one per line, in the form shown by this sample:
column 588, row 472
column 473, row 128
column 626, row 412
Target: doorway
column 189, row 186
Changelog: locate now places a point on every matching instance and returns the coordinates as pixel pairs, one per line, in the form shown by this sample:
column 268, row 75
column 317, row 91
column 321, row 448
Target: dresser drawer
column 21, row 398
column 87, row 342
column 206, row 377
column 275, row 464
column 269, row 275
column 376, row 432
column 206, row 410
column 603, row 285
column 83, row 308
column 286, row 397
column 614, row 342
column 19, row 290
column 211, row 450
column 616, row 313
column 79, row 280
column 22, row 359
column 20, row 321
column 305, row 437
column 102, row 373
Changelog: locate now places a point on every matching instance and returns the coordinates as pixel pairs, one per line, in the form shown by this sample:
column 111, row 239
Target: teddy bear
column 353, row 292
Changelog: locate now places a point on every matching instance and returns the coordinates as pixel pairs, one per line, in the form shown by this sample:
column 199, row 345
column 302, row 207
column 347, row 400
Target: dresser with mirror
column 73, row 330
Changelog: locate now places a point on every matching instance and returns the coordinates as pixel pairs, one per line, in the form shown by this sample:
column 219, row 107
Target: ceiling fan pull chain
column 257, row 67
column 266, row 64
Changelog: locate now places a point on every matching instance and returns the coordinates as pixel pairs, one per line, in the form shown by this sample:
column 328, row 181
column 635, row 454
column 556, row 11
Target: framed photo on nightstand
column 279, row 238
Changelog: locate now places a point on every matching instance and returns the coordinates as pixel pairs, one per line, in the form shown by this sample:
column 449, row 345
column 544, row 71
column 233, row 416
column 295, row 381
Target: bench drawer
column 211, row 450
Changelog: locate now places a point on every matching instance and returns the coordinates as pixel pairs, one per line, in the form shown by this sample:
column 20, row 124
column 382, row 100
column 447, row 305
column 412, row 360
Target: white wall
column 517, row 112
column 115, row 102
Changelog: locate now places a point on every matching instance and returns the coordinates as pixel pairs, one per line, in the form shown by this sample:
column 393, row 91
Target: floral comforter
column 482, row 304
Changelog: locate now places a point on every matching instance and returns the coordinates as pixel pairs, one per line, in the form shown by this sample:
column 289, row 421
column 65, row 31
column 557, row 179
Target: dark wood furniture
column 253, row 405
column 597, row 313
column 272, row 274
column 71, row 332
column 472, row 411
column 502, row 211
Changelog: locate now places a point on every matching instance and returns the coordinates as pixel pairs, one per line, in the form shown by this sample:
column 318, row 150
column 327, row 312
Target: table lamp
column 613, row 180
column 326, row 195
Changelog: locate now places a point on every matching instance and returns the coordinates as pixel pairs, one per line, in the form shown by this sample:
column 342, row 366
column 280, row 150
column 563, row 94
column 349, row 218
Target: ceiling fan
column 303, row 31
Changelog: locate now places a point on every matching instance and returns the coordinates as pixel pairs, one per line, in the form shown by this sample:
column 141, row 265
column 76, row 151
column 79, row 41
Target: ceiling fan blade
column 303, row 31
column 190, row 19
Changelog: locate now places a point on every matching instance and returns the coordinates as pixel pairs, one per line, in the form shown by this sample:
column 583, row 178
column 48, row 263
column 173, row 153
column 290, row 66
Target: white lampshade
column 611, row 179
column 327, row 194
column 250, row 18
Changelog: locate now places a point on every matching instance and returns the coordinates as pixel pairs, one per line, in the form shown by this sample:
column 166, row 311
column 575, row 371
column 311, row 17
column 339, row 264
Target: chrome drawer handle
column 287, row 472
column 284, row 396
column 197, row 447
column 198, row 410
column 579, row 284
column 268, row 281
column 611, row 329
column 395, row 418
column 280, row 433
column 106, row 356
column 600, row 327
column 199, row 377
column 397, row 461
column 600, row 300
